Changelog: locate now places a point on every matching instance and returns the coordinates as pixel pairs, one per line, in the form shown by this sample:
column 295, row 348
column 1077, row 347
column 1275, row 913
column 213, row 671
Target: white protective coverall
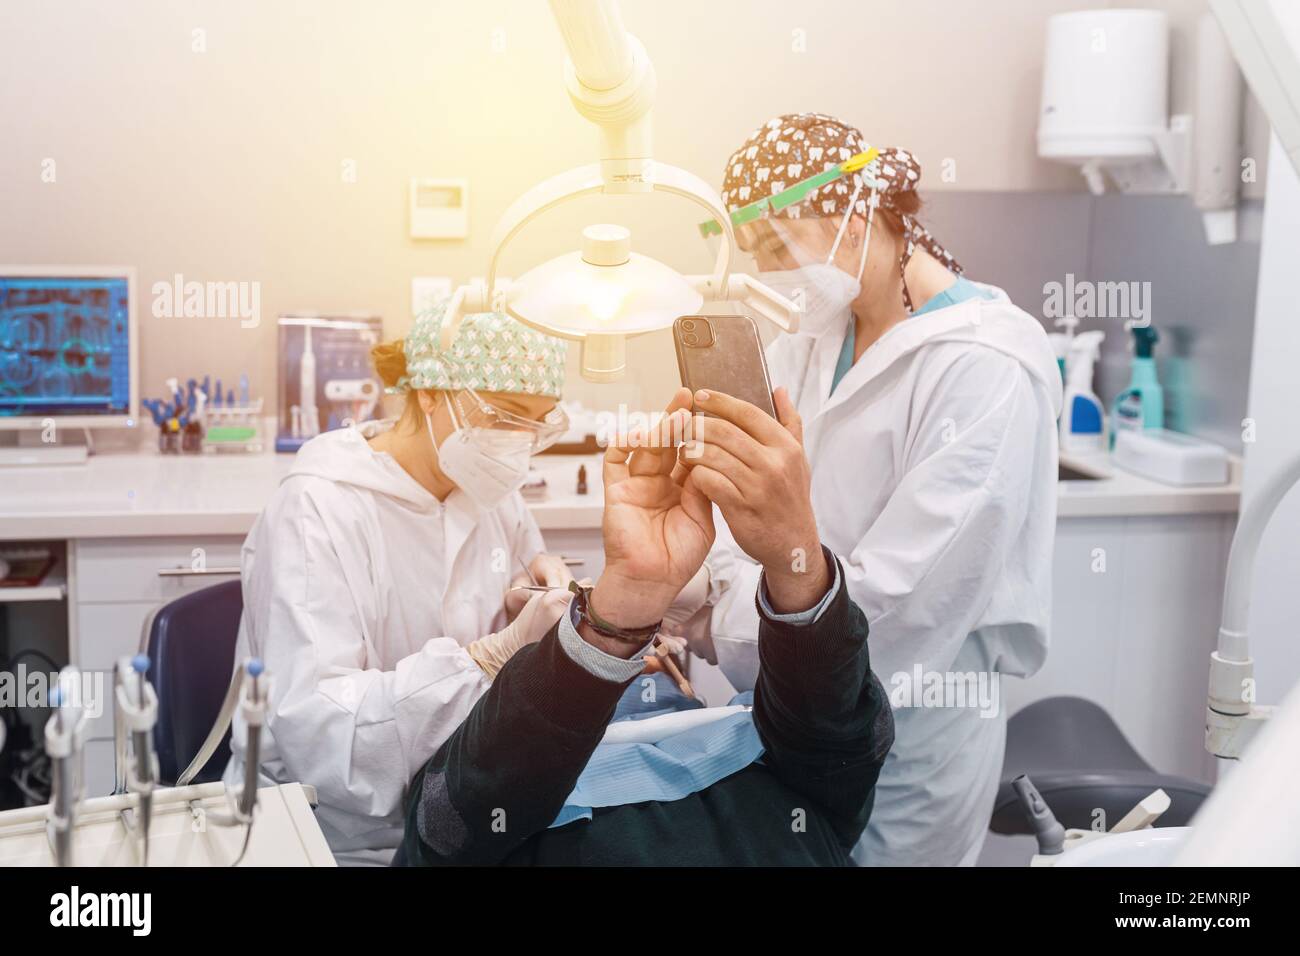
column 361, row 591
column 934, row 480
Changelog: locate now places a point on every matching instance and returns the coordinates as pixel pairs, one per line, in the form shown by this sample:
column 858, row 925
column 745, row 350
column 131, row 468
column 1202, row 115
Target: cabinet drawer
column 128, row 569
column 105, row 632
column 583, row 549
column 98, row 767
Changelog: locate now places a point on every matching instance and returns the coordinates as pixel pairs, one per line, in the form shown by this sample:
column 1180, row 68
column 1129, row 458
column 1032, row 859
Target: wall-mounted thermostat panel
column 439, row 208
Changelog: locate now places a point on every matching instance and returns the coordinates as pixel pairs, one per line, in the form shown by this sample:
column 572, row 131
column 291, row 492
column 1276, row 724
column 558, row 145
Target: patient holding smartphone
column 541, row 771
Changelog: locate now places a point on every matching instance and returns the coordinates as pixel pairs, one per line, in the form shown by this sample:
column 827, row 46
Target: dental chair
column 191, row 648
column 1081, row 763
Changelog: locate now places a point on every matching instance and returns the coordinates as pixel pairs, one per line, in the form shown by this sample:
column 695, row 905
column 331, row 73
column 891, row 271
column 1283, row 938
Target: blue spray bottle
column 1142, row 404
column 1083, row 419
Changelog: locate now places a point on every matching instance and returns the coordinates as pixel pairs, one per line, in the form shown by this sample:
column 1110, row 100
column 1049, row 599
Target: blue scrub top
column 961, row 290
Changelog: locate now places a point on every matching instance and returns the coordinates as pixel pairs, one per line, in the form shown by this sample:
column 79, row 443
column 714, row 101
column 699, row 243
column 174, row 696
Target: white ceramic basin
column 1137, row 848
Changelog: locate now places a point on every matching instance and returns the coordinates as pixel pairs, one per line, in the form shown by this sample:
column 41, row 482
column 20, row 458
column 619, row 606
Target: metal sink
column 1066, row 473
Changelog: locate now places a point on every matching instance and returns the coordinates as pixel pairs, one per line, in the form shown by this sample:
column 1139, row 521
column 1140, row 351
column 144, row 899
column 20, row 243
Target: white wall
column 225, row 165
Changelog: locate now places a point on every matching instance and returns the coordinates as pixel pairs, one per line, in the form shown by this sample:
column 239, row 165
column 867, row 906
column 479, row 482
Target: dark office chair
column 1080, row 761
column 191, row 648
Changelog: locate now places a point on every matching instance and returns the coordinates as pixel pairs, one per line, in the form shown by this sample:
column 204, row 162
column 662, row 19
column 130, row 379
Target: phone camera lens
column 688, row 325
column 690, row 338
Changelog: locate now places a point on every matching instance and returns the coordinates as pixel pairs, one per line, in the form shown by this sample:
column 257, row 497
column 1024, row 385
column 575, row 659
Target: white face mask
column 485, row 464
column 825, row 291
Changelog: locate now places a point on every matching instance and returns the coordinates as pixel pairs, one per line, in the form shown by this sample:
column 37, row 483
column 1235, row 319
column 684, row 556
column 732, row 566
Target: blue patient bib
column 672, row 766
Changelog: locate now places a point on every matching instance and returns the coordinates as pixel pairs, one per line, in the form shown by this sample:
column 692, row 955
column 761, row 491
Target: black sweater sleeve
column 505, row 772
column 823, row 717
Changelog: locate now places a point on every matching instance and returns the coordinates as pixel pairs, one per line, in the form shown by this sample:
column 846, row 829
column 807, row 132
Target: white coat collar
column 905, row 337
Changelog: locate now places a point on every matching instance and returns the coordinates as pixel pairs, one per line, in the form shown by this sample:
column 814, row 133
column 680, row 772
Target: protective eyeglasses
column 473, row 412
column 793, row 195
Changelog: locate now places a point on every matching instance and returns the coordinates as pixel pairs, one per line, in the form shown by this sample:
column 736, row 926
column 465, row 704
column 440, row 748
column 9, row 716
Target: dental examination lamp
column 605, row 293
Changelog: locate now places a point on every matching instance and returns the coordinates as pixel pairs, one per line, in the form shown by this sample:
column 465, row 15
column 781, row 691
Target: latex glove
column 530, row 626
column 689, row 599
column 689, row 616
column 670, row 644
column 549, row 570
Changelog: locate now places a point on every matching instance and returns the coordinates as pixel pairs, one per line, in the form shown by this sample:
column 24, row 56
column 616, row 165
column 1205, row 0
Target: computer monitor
column 68, row 347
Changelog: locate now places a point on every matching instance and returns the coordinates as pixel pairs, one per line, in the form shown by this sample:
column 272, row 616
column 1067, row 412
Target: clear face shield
column 803, row 250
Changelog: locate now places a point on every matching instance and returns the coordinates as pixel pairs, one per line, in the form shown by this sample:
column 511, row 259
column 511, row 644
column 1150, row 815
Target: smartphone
column 723, row 353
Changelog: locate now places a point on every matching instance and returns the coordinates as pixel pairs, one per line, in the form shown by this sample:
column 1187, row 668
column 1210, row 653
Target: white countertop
column 1119, row 493
column 149, row 495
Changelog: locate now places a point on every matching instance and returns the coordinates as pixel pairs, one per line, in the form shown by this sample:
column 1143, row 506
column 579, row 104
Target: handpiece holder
column 65, row 738
column 1232, row 718
column 135, row 761
column 252, row 685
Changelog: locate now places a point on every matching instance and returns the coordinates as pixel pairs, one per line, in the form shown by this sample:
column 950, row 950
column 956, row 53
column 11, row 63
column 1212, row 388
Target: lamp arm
column 765, row 301
column 678, row 182
column 1232, row 718
column 611, row 82
column 546, row 195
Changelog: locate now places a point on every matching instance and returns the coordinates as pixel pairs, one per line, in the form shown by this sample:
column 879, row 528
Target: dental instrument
column 250, row 692
column 532, row 578
column 136, row 764
column 664, row 655
column 1047, row 829
column 65, row 738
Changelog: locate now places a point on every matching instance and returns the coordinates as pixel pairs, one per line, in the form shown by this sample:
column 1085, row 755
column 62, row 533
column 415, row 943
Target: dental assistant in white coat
column 927, row 407
column 375, row 582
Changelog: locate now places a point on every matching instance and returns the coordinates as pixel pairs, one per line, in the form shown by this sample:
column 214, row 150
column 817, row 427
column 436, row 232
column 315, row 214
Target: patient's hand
column 657, row 527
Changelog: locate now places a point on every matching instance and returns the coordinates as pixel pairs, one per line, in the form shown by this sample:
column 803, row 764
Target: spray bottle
column 1061, row 341
column 1083, row 419
column 1142, row 404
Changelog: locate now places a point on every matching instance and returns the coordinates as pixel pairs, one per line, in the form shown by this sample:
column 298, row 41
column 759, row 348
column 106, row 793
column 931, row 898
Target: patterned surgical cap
column 790, row 148
column 491, row 353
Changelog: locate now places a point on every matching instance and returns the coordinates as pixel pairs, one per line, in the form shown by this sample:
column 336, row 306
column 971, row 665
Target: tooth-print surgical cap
column 790, row 148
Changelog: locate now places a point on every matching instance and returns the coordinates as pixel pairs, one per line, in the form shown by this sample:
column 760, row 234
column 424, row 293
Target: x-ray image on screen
column 64, row 346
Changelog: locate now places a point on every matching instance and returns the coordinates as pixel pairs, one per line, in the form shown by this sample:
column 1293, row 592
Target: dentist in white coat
column 375, row 582
column 928, row 407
